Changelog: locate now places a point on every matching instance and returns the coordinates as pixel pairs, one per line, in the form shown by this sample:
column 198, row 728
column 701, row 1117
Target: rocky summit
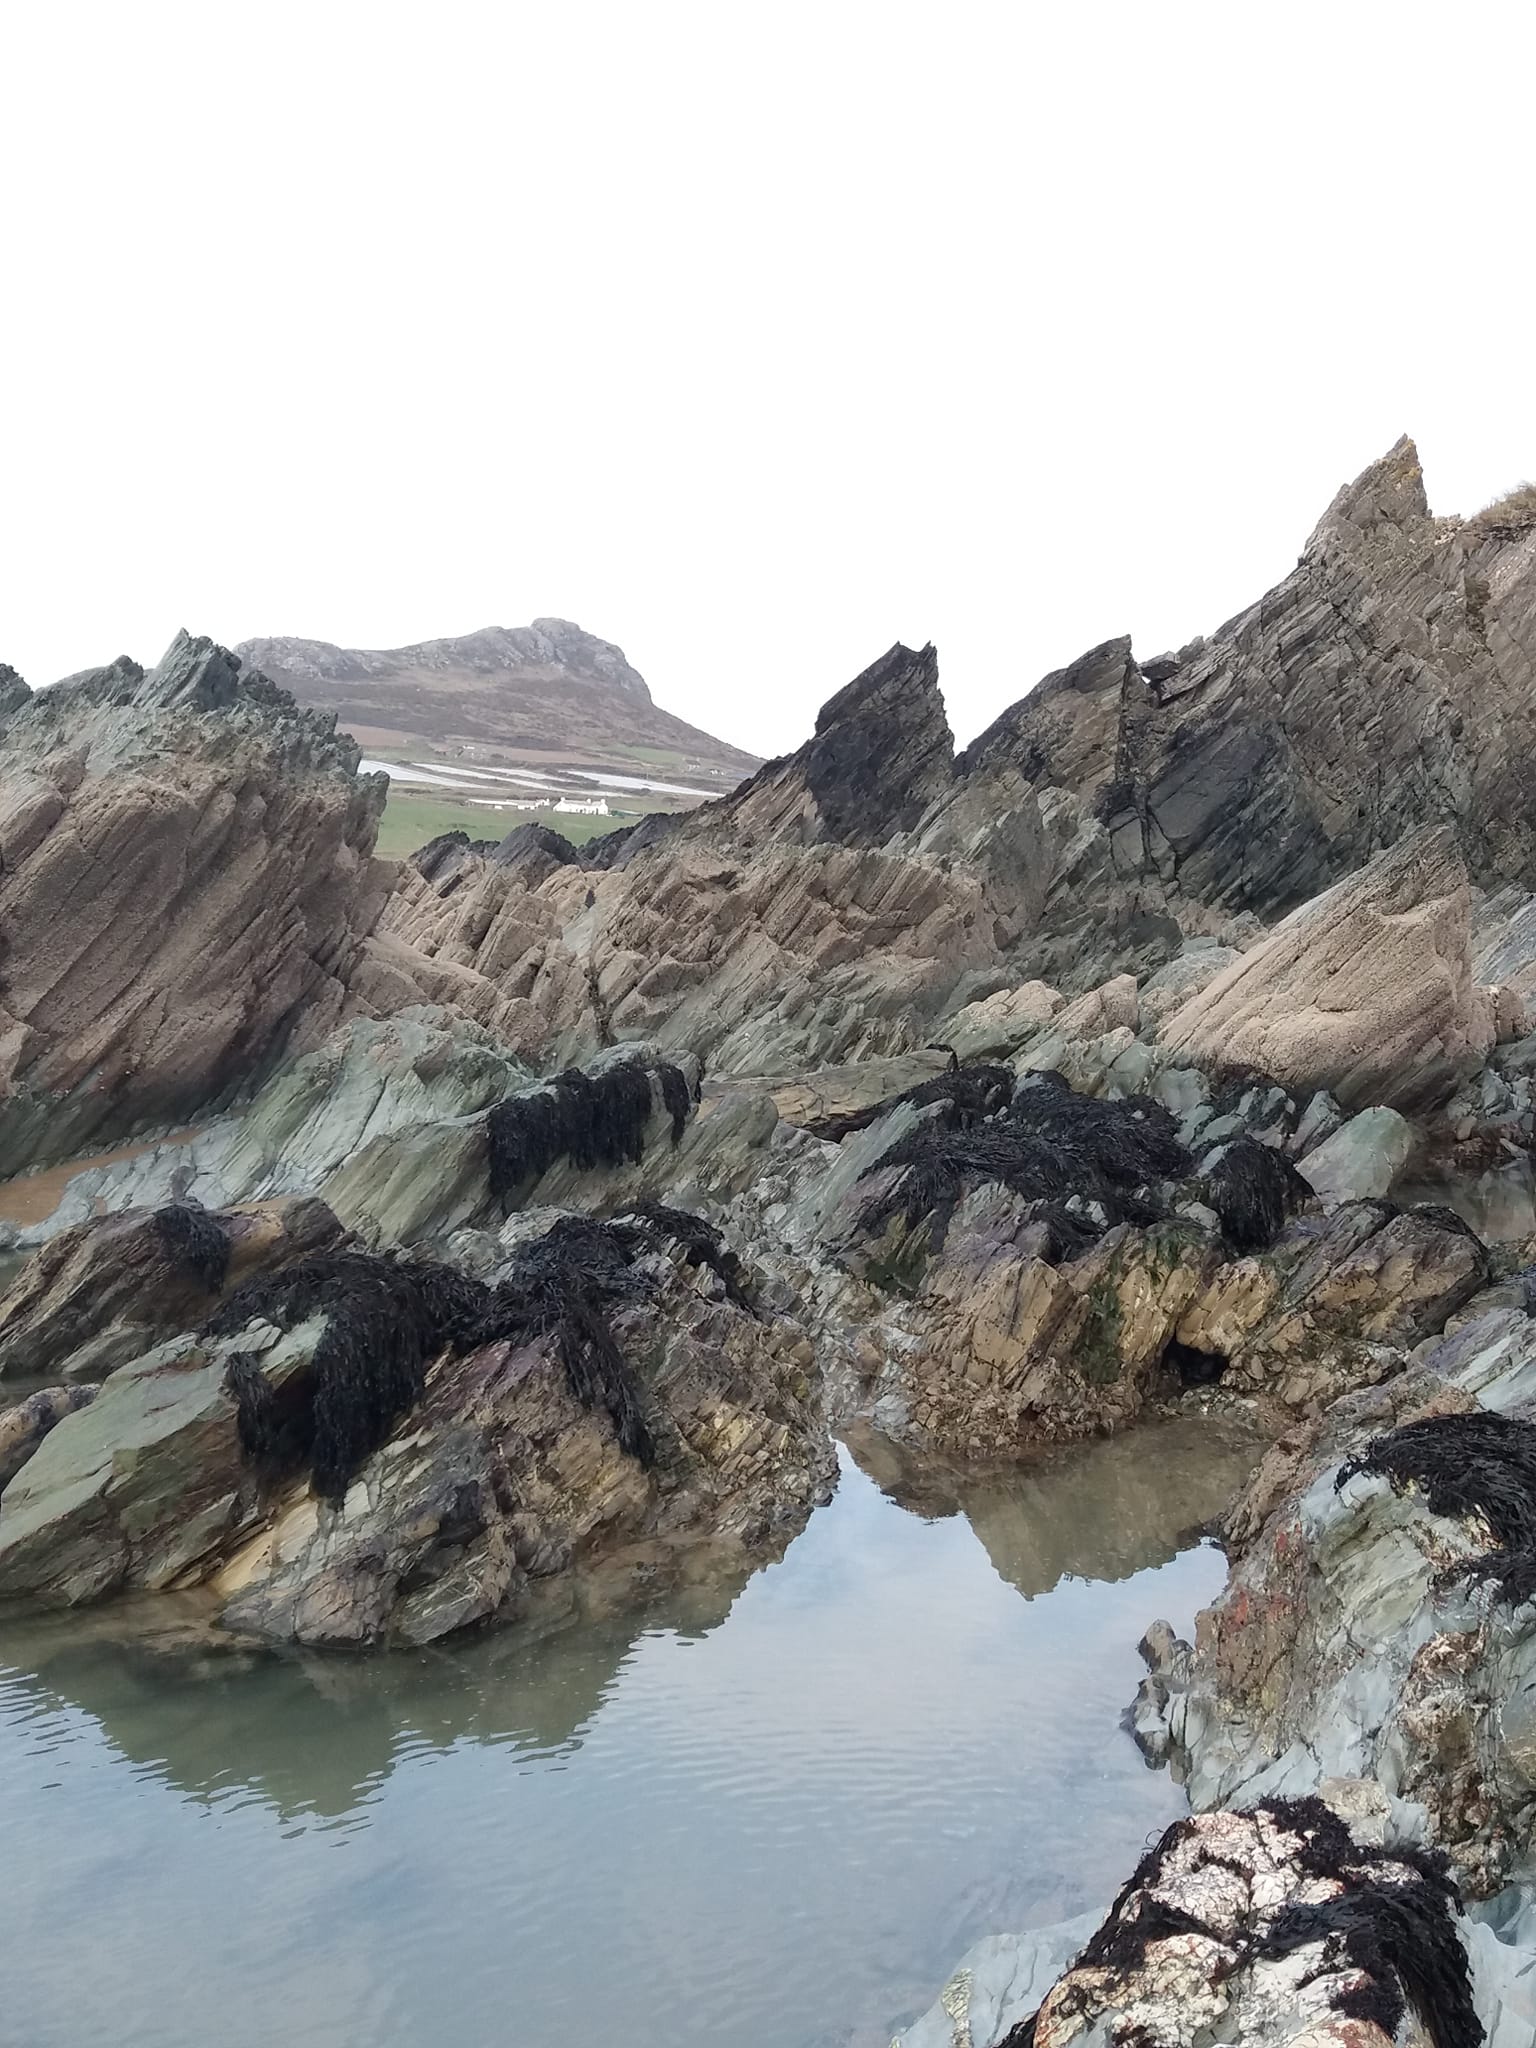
column 399, row 1250
column 543, row 693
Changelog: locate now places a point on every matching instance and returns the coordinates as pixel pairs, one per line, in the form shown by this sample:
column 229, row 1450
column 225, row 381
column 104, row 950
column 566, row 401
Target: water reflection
column 771, row 1812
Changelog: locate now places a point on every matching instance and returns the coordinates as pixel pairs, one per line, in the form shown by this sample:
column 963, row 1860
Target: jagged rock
column 1362, row 1158
column 103, row 1292
column 187, row 874
column 880, row 753
column 1367, row 991
column 1332, row 1306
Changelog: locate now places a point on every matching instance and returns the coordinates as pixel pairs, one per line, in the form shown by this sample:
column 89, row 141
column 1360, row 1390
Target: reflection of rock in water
column 1088, row 1511
column 311, row 1732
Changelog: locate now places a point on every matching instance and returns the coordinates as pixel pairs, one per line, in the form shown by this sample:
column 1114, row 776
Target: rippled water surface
column 770, row 1813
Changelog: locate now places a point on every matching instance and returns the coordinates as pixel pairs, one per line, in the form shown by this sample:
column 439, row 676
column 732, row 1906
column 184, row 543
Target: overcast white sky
column 751, row 337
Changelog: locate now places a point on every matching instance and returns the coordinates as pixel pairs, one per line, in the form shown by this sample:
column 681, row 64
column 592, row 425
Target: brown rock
column 185, row 872
column 1367, row 992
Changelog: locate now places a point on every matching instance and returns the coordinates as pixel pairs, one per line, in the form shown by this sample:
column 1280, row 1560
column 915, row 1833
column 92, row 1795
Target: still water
column 771, row 1813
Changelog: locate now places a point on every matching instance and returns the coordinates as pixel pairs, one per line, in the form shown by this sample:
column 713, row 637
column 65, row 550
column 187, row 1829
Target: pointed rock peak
column 194, row 672
column 895, row 681
column 14, row 693
column 882, row 749
column 881, row 752
column 1389, row 493
column 1067, row 721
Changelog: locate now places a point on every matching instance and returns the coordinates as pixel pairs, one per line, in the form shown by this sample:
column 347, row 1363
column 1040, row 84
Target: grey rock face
column 1362, row 1158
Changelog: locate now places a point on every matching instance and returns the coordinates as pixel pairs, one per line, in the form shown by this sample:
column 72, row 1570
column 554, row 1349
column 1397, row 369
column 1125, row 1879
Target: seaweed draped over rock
column 590, row 1119
column 387, row 1319
column 1469, row 1466
column 196, row 1240
column 1253, row 1189
column 1089, row 1163
column 701, row 1245
column 1386, row 1925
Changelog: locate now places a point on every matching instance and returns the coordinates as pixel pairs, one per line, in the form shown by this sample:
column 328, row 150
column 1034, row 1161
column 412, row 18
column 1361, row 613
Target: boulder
column 1367, row 991
column 1362, row 1158
column 1000, row 1023
column 1333, row 1304
column 350, row 1453
column 1285, row 1926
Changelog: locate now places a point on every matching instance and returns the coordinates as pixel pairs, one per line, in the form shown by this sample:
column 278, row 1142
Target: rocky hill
column 545, row 694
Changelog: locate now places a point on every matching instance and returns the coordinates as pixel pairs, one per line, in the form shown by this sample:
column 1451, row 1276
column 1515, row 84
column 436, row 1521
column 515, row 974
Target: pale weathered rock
column 1308, row 1924
column 1000, row 1023
column 1362, row 1158
column 187, row 873
column 1367, row 991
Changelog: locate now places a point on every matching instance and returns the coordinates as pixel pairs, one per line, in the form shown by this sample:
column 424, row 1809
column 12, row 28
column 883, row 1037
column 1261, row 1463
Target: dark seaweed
column 591, row 1119
column 1469, row 1465
column 676, row 1099
column 1053, row 1147
column 1123, row 1144
column 196, row 1240
column 387, row 1319
column 1254, row 1190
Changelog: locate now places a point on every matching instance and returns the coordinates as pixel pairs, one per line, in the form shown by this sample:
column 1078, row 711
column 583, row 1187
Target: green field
column 412, row 817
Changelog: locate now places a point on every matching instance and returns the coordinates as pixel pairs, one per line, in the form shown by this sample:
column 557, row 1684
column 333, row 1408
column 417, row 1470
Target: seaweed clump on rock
column 1222, row 1895
column 1476, row 1466
column 1253, row 1190
column 196, row 1240
column 1088, row 1163
column 591, row 1119
column 387, row 1319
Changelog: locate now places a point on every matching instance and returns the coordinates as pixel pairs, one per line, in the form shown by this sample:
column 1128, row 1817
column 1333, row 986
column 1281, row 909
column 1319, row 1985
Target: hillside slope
column 545, row 693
